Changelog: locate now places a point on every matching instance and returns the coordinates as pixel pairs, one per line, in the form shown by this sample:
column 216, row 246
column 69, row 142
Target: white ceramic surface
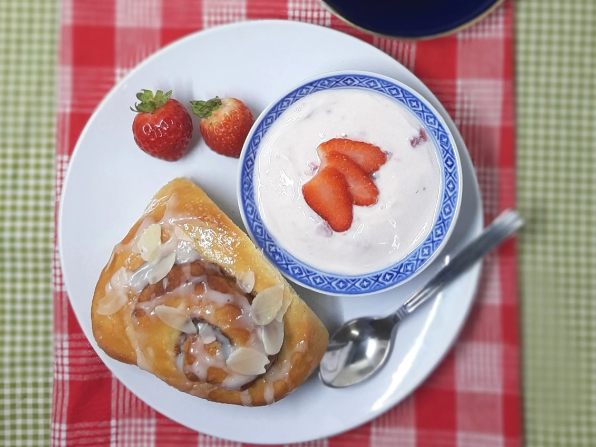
column 110, row 181
column 284, row 253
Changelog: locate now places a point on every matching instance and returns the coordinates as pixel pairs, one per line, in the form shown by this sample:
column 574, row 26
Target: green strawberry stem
column 150, row 103
column 204, row 109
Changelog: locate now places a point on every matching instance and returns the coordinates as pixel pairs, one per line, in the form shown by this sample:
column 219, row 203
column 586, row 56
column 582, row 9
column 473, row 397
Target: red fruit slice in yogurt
column 368, row 156
column 362, row 188
column 421, row 138
column 328, row 194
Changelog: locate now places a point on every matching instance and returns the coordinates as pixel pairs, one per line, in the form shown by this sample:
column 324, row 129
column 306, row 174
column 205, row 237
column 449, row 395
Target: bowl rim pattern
column 418, row 258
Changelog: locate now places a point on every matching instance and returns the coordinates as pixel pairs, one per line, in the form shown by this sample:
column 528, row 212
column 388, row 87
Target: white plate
column 110, row 181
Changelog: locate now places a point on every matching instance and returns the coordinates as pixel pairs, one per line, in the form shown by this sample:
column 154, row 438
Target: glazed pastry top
column 227, row 337
column 188, row 297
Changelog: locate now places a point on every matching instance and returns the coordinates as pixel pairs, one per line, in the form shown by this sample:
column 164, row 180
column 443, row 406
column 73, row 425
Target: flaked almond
column 272, row 336
column 181, row 234
column 247, row 361
column 246, row 281
column 206, row 333
column 120, row 278
column 174, row 317
column 267, row 304
column 149, row 243
column 112, row 302
column 116, row 293
column 161, row 269
column 286, row 301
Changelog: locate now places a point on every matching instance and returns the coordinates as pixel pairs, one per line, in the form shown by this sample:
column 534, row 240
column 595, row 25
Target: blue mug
column 411, row 19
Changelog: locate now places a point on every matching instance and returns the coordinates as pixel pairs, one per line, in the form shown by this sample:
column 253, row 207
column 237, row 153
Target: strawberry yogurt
column 409, row 182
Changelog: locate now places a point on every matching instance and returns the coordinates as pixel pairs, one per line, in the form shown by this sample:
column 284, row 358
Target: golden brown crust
column 219, row 241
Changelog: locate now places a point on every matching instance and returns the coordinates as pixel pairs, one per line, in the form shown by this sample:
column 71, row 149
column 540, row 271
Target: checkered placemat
column 556, row 58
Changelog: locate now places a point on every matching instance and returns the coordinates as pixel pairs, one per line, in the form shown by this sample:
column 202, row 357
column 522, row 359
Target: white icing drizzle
column 235, row 381
column 204, row 361
column 269, row 393
column 160, row 270
column 280, row 372
column 207, row 333
column 183, row 246
column 185, row 290
column 179, row 361
column 138, row 280
column 220, row 299
column 282, row 369
column 245, row 398
column 185, row 253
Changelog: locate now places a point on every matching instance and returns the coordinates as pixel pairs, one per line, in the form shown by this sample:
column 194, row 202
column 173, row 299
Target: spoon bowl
column 361, row 346
column 356, row 350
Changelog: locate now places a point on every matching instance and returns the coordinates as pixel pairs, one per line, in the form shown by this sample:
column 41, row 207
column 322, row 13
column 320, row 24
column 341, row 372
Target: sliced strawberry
column 327, row 193
column 368, row 156
column 362, row 188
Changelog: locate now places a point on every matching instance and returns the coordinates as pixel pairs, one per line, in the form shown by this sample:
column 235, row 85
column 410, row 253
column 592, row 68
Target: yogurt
column 409, row 182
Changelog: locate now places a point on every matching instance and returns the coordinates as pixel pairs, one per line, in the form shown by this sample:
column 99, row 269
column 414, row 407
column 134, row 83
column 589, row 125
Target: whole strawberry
column 162, row 127
column 225, row 123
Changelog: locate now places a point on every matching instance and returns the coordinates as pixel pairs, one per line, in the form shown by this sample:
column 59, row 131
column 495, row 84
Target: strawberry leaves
column 204, row 109
column 149, row 103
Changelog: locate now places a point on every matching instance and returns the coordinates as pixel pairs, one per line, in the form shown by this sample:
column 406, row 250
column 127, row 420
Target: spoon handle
column 500, row 229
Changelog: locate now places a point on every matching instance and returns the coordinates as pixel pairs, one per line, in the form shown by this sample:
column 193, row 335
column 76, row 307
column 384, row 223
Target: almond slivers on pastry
column 188, row 297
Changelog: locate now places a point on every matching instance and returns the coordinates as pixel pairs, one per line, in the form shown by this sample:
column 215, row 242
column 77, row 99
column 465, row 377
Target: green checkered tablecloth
column 28, row 42
column 556, row 92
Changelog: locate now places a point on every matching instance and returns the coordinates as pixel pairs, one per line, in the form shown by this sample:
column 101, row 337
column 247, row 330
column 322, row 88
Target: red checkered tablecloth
column 473, row 397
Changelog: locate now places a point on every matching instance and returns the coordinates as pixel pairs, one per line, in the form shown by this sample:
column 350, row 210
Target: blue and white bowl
column 420, row 256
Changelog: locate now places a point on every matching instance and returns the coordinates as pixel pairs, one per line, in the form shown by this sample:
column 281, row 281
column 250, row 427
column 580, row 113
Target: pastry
column 188, row 297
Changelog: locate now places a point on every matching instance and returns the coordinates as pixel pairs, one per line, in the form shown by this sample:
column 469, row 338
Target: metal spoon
column 361, row 346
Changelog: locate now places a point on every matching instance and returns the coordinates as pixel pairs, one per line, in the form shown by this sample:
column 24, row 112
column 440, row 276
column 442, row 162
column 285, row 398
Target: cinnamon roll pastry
column 188, row 297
